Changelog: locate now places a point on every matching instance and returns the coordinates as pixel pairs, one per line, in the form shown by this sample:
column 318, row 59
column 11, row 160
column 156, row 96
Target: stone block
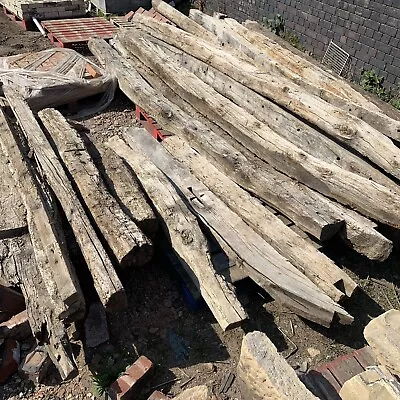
column 264, row 374
column 157, row 396
column 372, row 384
column 195, row 393
column 383, row 335
column 35, row 365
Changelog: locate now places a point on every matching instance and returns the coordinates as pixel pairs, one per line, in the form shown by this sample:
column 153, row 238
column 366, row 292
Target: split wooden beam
column 106, row 282
column 333, row 121
column 186, row 237
column 127, row 242
column 369, row 198
column 262, row 262
column 309, row 210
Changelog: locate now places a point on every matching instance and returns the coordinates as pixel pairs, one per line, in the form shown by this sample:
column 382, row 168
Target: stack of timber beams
column 250, row 124
column 47, row 180
column 251, row 127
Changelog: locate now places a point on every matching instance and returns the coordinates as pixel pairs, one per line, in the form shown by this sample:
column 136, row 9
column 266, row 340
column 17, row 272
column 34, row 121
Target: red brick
column 16, row 327
column 126, row 386
column 11, row 303
column 157, row 396
column 9, row 359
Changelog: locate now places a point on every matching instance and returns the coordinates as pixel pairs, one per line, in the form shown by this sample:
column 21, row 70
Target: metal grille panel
column 336, row 58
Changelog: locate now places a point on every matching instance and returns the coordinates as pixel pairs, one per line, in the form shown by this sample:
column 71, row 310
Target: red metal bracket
column 150, row 125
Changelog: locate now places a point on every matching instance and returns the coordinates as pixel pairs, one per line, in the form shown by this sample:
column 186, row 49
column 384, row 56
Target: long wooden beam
column 127, row 242
column 280, row 278
column 333, row 121
column 369, row 198
column 185, row 235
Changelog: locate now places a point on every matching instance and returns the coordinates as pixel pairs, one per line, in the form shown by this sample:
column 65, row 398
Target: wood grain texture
column 127, row 242
column 335, row 122
column 280, row 278
column 124, row 186
column 185, row 235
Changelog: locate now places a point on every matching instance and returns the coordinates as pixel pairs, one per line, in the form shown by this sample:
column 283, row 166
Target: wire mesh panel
column 336, row 58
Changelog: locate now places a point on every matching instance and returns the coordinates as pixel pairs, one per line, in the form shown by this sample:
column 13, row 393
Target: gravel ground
column 188, row 348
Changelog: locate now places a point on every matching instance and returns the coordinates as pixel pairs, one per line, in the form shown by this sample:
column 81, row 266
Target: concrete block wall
column 369, row 30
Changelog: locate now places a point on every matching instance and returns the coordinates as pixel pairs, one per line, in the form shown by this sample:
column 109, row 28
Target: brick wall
column 369, row 30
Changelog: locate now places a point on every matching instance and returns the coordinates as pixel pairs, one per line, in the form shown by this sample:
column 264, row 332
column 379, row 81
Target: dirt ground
column 188, row 347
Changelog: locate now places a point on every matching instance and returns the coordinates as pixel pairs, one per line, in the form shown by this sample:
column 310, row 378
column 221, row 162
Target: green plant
column 371, row 82
column 275, row 24
column 294, row 40
column 103, row 380
column 395, row 103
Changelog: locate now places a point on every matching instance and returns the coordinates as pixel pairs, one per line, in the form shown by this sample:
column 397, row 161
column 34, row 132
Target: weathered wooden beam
column 259, row 178
column 46, row 234
column 231, row 33
column 315, row 265
column 187, row 240
column 105, row 279
column 300, row 204
column 333, row 121
column 369, row 198
column 180, row 19
column 124, row 186
column 280, row 121
column 280, row 278
column 15, row 252
column 127, row 242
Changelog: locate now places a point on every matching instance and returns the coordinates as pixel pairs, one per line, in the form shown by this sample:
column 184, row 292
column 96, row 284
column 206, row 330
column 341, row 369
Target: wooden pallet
column 70, row 32
column 326, row 380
